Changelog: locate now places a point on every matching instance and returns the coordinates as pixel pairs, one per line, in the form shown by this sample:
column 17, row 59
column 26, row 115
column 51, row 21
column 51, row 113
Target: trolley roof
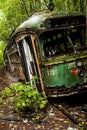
column 36, row 21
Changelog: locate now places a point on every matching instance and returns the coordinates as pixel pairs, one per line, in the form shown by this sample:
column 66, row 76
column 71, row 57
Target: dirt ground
column 49, row 119
column 6, row 78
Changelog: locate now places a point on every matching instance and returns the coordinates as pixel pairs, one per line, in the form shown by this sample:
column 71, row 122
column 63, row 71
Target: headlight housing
column 79, row 63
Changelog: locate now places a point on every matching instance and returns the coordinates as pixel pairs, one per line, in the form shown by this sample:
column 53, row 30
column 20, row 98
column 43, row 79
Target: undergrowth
column 22, row 96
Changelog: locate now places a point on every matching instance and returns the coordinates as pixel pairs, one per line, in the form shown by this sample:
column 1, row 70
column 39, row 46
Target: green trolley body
column 56, row 50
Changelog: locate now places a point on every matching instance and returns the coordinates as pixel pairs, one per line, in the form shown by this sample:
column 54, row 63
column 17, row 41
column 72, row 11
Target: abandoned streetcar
column 51, row 46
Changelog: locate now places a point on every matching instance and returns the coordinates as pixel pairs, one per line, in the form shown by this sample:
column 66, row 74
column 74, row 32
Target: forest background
column 14, row 12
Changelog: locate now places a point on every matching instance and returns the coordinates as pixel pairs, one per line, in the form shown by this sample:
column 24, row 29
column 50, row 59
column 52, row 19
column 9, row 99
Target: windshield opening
column 63, row 41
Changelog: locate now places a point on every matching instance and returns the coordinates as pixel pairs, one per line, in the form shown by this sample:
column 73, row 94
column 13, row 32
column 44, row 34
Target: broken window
column 62, row 41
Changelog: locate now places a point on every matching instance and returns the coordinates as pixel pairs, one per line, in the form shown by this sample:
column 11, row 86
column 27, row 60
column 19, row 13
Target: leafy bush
column 22, row 96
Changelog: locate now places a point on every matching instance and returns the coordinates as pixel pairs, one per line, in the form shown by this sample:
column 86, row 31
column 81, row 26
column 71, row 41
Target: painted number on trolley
column 51, row 72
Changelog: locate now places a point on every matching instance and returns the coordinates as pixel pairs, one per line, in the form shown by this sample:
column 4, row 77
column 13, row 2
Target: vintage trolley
column 51, row 46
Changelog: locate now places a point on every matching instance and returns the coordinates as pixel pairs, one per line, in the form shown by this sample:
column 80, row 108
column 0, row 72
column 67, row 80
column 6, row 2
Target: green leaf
column 23, row 104
column 23, row 96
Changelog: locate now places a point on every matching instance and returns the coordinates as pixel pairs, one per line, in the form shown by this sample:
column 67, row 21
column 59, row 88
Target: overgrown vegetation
column 22, row 96
column 2, row 47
